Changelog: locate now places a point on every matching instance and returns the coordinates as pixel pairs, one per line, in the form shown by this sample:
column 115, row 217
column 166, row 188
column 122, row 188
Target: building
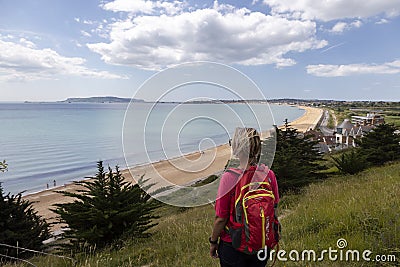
column 347, row 132
column 325, row 143
column 372, row 118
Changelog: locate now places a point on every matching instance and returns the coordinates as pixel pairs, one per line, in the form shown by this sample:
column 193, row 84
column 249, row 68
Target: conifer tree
column 105, row 209
column 380, row 145
column 296, row 159
column 20, row 225
column 351, row 161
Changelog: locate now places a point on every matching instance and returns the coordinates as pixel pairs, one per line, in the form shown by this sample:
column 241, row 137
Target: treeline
column 379, row 146
column 366, row 104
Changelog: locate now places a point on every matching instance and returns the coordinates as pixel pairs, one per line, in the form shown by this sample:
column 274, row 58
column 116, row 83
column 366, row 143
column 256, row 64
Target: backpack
column 252, row 222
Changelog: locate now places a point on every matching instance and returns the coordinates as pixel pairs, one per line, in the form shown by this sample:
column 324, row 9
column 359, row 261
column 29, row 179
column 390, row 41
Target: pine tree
column 296, row 159
column 380, row 145
column 106, row 209
column 350, row 162
column 20, row 225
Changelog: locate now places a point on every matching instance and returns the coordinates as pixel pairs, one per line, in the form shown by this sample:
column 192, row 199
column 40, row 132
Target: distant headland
column 288, row 101
column 100, row 99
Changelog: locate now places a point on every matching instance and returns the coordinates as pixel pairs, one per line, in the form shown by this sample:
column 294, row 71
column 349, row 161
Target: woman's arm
column 219, row 224
column 222, row 210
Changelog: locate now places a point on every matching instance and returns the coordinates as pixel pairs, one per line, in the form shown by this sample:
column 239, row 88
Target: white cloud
column 225, row 35
column 22, row 61
column 77, row 43
column 353, row 69
column 137, row 6
column 88, row 22
column 85, row 33
column 339, row 27
column 85, row 21
column 333, row 10
column 382, row 21
column 356, row 24
column 27, row 43
column 227, row 8
column 342, row 26
column 144, row 6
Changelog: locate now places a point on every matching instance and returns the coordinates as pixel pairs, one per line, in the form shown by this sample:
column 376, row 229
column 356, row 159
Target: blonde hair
column 246, row 142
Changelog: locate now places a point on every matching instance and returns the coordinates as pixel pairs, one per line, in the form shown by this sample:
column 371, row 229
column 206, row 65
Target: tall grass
column 180, row 239
column 364, row 209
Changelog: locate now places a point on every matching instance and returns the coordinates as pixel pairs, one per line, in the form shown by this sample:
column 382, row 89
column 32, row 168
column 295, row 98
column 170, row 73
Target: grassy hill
column 364, row 209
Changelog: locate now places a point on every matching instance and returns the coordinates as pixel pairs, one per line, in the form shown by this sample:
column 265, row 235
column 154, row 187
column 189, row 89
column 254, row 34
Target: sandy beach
column 180, row 171
column 309, row 120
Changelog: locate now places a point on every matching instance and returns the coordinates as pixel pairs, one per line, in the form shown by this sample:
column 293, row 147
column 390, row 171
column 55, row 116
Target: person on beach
column 246, row 146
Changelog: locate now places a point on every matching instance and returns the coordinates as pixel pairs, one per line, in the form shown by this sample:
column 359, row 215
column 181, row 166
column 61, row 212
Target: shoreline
column 309, row 120
column 175, row 170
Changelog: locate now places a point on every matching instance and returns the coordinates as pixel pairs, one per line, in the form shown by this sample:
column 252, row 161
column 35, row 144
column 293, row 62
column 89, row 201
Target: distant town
column 289, row 101
column 343, row 122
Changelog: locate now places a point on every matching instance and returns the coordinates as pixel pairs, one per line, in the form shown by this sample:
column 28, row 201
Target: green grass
column 391, row 114
column 180, row 239
column 331, row 121
column 364, row 209
column 393, row 119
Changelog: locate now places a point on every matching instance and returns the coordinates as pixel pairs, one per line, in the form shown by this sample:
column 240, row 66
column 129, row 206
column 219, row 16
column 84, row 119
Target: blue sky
column 339, row 49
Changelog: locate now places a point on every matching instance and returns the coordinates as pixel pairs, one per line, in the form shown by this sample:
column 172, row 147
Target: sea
column 52, row 144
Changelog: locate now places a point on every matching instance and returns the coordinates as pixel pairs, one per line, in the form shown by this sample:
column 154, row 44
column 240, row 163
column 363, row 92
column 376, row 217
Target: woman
column 246, row 146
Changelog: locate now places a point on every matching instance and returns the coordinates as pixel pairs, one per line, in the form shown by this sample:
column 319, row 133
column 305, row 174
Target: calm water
column 43, row 142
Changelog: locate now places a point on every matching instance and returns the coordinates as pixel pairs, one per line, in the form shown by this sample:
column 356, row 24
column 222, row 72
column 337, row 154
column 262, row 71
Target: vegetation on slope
column 107, row 208
column 363, row 209
column 20, row 225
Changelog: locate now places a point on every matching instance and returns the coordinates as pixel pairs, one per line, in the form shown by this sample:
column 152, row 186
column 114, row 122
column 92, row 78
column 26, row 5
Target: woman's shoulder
column 231, row 173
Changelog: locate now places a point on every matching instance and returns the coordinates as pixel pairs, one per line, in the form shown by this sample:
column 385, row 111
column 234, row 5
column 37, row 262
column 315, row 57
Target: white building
column 371, row 119
column 347, row 132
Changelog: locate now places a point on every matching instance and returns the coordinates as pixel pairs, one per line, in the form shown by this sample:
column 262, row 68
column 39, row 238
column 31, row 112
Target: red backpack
column 252, row 221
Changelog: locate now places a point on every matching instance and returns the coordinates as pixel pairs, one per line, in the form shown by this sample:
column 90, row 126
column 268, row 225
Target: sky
column 307, row 49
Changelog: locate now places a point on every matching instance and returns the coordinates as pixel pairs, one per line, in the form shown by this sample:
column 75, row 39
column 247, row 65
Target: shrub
column 350, row 163
column 106, row 209
column 296, row 161
column 380, row 145
column 20, row 225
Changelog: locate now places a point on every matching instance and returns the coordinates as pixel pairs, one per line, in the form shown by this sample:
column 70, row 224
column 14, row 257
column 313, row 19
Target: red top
column 226, row 192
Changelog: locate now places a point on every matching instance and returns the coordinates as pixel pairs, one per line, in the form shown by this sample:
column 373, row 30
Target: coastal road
column 324, row 124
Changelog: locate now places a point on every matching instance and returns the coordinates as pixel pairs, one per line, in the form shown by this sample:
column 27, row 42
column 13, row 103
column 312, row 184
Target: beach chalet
column 372, row 118
column 347, row 132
